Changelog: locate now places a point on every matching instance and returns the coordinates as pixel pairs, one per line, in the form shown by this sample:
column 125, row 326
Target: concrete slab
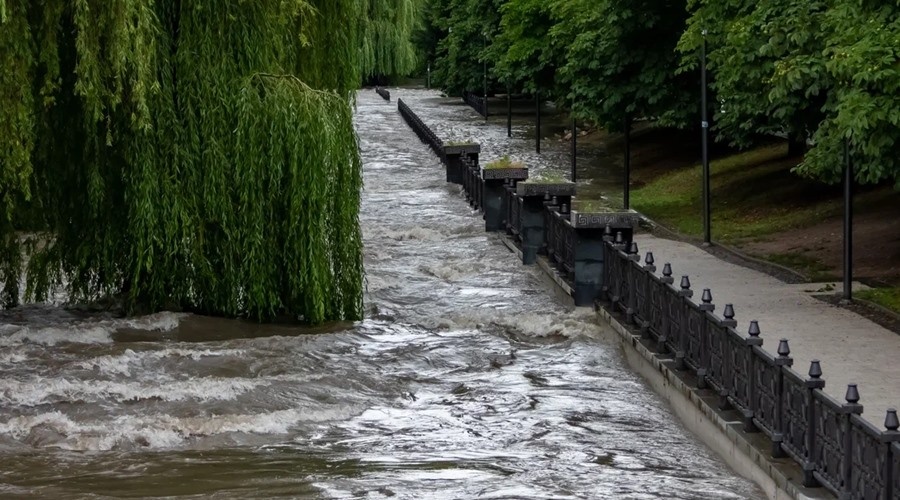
column 851, row 348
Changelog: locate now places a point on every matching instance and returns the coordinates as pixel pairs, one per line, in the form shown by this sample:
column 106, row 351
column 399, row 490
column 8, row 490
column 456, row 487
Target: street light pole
column 626, row 188
column 574, row 150
column 707, row 231
column 537, row 129
column 484, row 55
column 508, row 111
column 848, row 223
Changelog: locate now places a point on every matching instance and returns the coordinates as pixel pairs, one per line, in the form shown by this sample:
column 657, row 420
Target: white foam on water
column 572, row 325
column 12, row 358
column 91, row 331
column 39, row 390
column 417, row 233
column 122, row 364
column 158, row 431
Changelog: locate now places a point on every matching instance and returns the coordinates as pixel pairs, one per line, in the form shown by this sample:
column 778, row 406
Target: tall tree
column 192, row 155
column 526, row 57
column 466, row 29
column 768, row 73
column 823, row 71
column 620, row 60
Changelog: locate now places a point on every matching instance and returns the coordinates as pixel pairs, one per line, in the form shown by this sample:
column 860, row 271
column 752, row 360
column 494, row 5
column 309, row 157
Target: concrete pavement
column 851, row 348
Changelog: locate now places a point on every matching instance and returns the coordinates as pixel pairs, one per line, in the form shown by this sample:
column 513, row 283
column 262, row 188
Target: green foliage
column 885, row 297
column 179, row 163
column 463, row 30
column 525, row 54
column 822, row 70
column 504, row 162
column 387, row 28
column 862, row 58
column 765, row 75
column 620, row 61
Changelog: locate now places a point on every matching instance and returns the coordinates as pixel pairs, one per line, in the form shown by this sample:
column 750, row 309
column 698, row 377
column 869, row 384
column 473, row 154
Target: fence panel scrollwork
column 767, row 393
column 796, row 404
column 895, row 471
column 830, row 455
column 870, row 463
column 716, row 333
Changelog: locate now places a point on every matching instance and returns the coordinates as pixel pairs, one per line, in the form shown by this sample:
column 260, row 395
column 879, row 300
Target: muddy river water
column 468, row 378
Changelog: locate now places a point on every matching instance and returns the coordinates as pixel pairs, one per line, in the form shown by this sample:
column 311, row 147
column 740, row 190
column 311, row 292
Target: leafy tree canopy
column 196, row 155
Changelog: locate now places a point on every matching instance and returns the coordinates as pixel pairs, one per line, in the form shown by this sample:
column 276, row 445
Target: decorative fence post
column 666, row 282
column 799, row 418
column 832, row 450
column 631, row 274
column 647, row 309
column 874, row 458
column 697, row 324
column 678, row 310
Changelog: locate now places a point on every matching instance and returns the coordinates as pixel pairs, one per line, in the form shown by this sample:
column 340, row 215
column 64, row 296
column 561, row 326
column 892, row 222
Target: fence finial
column 729, row 312
column 667, row 270
column 619, row 238
column 852, row 395
column 633, row 249
column 890, row 420
column 685, row 283
column 707, row 296
column 754, row 329
column 815, row 369
column 648, row 259
column 784, row 350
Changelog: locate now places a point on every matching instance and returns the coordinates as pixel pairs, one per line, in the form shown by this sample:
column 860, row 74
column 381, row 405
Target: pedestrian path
column 851, row 348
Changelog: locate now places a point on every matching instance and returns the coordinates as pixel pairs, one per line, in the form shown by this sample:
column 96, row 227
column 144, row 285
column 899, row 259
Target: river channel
column 468, row 378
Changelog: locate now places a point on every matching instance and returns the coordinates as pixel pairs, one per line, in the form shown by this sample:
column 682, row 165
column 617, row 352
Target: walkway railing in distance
column 383, row 93
column 423, row 131
column 478, row 103
column 833, row 444
column 561, row 238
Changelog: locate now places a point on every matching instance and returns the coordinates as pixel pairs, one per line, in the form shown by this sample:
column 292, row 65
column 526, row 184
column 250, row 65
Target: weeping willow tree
column 386, row 43
column 191, row 155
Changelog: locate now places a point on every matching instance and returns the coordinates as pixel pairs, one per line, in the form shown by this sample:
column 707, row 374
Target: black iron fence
column 561, row 239
column 383, row 93
column 833, row 444
column 478, row 103
column 423, row 131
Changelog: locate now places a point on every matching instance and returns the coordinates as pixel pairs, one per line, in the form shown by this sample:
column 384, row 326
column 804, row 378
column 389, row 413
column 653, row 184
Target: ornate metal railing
column 514, row 211
column 383, row 93
column 560, row 239
column 478, row 103
column 835, row 447
column 472, row 183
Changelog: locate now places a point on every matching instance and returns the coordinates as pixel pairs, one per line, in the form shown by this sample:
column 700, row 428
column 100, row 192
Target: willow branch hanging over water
column 195, row 156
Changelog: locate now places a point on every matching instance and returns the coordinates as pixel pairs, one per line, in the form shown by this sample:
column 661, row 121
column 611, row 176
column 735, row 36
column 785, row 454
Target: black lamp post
column 484, row 55
column 848, row 223
column 704, row 124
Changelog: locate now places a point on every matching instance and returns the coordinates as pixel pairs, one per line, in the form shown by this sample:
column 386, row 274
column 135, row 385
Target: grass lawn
column 754, row 194
column 885, row 297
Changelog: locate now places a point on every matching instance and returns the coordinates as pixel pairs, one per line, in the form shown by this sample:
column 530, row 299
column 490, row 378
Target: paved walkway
column 851, row 348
